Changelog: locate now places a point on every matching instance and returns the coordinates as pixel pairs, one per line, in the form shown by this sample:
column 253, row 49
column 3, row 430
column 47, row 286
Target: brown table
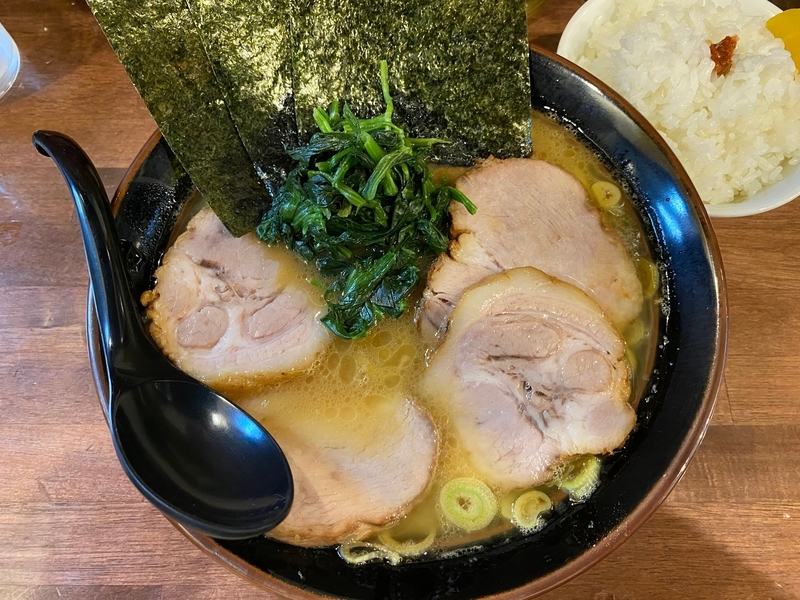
column 71, row 524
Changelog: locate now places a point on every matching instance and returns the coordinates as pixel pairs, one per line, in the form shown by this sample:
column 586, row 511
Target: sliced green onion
column 408, row 546
column 467, row 503
column 630, row 356
column 606, row 193
column 357, row 553
column 634, row 332
column 507, row 503
column 527, row 510
column 580, row 477
column 649, row 275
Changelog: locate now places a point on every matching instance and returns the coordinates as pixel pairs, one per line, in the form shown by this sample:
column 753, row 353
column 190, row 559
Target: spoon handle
column 116, row 309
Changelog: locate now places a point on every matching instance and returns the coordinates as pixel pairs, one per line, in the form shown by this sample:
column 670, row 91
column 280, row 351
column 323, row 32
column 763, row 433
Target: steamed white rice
column 734, row 134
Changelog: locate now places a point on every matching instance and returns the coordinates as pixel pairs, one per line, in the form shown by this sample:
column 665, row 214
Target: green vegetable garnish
column 357, row 553
column 407, row 546
column 362, row 205
column 579, row 477
column 468, row 503
column 527, row 510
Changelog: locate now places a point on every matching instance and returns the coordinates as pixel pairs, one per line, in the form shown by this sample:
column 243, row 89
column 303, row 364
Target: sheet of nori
column 249, row 45
column 161, row 49
column 458, row 68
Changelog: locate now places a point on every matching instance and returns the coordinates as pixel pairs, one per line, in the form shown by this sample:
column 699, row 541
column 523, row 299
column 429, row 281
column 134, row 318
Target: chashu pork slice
column 355, row 472
column 530, row 214
column 228, row 309
column 531, row 372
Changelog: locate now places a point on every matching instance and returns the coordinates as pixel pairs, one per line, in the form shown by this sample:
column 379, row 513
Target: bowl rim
column 769, row 198
column 629, row 524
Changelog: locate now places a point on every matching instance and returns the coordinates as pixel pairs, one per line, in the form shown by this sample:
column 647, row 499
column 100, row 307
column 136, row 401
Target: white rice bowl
column 736, row 135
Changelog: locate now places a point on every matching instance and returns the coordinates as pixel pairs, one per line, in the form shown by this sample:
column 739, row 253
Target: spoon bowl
column 184, row 445
column 197, row 457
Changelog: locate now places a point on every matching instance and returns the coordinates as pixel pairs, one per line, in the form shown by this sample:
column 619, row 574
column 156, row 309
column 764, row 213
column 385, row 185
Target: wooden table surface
column 71, row 524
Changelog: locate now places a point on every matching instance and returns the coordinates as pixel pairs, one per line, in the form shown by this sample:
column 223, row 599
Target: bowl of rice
column 733, row 119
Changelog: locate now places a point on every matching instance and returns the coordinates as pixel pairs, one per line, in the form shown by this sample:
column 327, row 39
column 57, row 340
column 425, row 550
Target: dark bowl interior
column 673, row 414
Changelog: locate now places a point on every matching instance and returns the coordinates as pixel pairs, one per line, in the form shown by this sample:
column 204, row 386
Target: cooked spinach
column 363, row 206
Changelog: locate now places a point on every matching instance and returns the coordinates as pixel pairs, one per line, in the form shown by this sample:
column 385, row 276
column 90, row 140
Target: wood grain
column 73, row 527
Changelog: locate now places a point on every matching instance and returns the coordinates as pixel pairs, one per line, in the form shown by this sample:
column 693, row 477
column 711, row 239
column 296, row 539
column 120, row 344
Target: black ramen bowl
column 672, row 415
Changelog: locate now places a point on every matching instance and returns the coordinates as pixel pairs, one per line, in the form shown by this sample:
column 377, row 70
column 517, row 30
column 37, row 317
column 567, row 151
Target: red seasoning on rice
column 722, row 54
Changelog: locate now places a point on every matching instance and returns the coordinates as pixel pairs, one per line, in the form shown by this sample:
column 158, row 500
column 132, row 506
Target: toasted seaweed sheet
column 161, row 49
column 233, row 83
column 458, row 68
column 250, row 48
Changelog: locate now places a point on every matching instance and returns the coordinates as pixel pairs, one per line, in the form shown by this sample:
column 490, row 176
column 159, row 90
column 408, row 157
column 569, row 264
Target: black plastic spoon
column 196, row 456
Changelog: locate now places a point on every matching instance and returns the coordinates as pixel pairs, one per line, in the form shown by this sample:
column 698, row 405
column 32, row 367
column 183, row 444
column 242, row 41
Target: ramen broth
column 348, row 389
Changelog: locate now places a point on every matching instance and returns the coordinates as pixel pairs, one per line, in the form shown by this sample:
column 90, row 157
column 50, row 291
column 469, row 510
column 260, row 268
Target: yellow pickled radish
column 786, row 26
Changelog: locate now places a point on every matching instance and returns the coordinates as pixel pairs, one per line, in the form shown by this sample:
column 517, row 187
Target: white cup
column 9, row 61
